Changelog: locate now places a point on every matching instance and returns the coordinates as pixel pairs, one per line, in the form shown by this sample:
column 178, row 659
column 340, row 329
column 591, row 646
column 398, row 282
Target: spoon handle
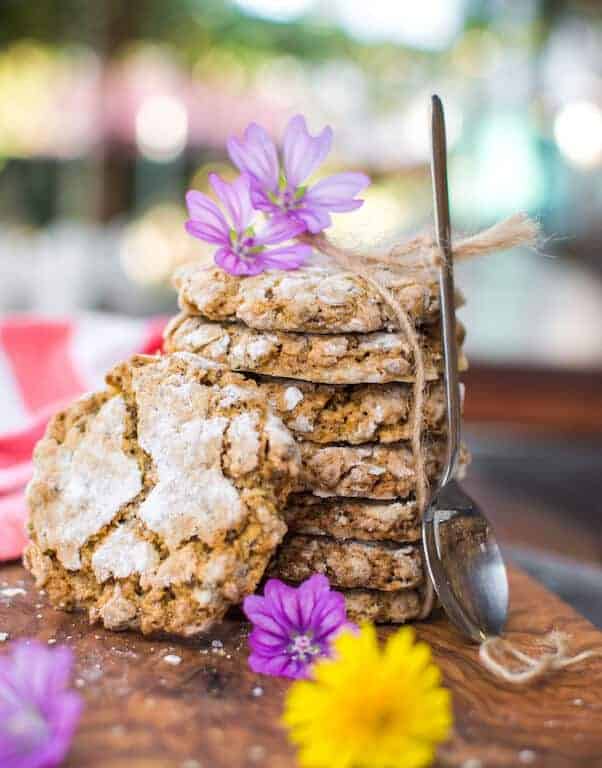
column 446, row 286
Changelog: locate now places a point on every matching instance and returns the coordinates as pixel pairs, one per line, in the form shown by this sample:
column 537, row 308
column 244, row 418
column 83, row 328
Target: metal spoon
column 462, row 555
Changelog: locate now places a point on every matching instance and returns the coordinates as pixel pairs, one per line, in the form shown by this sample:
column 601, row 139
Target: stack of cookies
column 324, row 350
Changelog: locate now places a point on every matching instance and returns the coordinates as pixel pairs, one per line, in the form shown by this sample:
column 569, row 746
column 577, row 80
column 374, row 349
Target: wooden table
column 211, row 711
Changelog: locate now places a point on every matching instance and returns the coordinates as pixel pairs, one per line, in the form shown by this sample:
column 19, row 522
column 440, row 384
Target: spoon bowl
column 465, row 563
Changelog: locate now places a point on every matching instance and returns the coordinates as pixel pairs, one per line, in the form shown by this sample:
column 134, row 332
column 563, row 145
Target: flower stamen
column 302, row 649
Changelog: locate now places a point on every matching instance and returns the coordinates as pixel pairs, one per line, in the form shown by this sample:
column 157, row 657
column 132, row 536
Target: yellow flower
column 370, row 708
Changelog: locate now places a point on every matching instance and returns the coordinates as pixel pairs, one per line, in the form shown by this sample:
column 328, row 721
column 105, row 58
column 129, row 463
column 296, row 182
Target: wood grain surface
column 210, row 711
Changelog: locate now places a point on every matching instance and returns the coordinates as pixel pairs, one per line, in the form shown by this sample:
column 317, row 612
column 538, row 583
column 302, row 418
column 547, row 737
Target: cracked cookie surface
column 352, row 358
column 313, row 299
column 156, row 504
column 350, row 564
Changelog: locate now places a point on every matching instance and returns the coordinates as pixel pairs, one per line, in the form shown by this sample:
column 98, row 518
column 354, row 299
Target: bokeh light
column 161, row 128
column 429, row 24
column 578, row 133
column 156, row 243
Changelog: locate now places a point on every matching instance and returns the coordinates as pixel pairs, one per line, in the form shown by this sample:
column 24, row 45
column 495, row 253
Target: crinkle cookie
column 156, row 504
column 313, row 299
column 382, row 607
column 361, row 519
column 350, row 564
column 355, row 413
column 330, row 359
column 370, row 471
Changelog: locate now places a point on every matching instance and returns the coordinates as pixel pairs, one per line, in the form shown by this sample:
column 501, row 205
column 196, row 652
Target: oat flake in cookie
column 155, row 504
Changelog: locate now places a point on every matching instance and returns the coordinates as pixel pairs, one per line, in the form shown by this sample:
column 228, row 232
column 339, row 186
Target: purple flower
column 281, row 190
column 38, row 714
column 241, row 251
column 293, row 627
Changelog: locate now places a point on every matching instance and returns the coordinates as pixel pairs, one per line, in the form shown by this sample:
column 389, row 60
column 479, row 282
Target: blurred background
column 110, row 111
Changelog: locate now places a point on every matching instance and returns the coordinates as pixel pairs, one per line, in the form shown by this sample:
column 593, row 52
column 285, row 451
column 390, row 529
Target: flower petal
column 261, row 202
column 254, row 606
column 283, row 603
column 206, row 232
column 227, row 259
column 336, row 193
column 278, row 229
column 35, row 678
column 331, row 620
column 64, row 721
column 303, row 153
column 203, row 210
column 288, row 257
column 314, row 217
column 266, row 643
column 281, row 665
column 60, row 666
column 256, row 154
column 235, row 265
column 260, row 612
column 32, row 670
column 309, row 595
column 10, row 689
column 236, row 198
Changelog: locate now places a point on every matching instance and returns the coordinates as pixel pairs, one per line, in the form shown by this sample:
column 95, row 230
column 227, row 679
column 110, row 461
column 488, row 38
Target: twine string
column 422, row 253
column 351, row 262
column 498, row 654
column 422, row 250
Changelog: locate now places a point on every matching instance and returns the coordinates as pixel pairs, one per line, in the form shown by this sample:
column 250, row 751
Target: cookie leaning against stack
column 156, row 504
column 325, row 349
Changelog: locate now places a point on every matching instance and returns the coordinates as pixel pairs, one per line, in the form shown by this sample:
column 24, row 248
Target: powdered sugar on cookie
column 81, row 483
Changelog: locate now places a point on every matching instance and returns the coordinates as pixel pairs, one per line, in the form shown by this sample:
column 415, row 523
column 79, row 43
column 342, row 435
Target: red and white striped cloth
column 44, row 364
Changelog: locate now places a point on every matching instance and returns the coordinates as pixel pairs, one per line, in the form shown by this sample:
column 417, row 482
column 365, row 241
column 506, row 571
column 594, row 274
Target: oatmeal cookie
column 312, row 299
column 353, row 413
column 371, row 471
column 156, row 503
column 383, row 607
column 350, row 564
column 361, row 519
column 350, row 358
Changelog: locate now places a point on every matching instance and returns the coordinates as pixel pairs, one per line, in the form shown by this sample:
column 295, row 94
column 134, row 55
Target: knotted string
column 531, row 669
